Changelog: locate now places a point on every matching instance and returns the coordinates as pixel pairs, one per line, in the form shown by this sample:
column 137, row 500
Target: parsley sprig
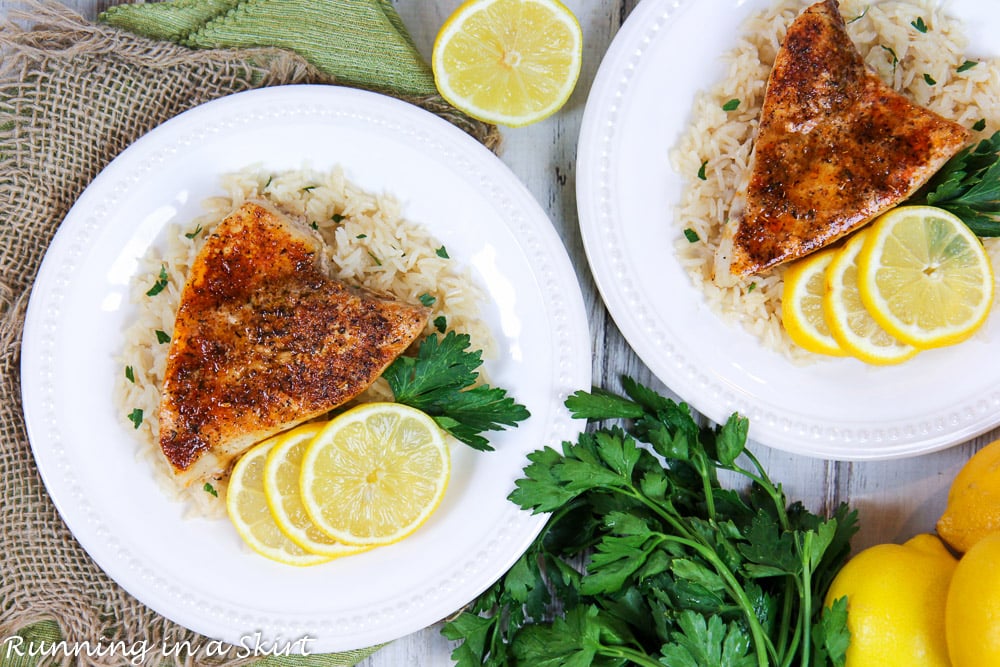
column 442, row 381
column 678, row 570
column 968, row 185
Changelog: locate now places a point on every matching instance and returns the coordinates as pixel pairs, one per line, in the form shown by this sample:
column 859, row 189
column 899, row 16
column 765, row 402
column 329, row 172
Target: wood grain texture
column 895, row 499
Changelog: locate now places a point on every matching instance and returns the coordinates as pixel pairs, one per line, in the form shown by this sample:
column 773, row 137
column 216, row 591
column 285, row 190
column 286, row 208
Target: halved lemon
column 282, row 471
column 251, row 516
column 850, row 322
column 511, row 62
column 802, row 304
column 375, row 473
column 925, row 277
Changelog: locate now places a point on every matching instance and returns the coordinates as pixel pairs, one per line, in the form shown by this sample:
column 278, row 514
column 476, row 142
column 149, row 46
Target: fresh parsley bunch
column 647, row 560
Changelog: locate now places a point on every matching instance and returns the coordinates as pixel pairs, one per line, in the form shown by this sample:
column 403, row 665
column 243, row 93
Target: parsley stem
column 806, row 609
column 762, row 644
column 637, row 657
column 777, row 496
column 787, row 604
column 706, row 484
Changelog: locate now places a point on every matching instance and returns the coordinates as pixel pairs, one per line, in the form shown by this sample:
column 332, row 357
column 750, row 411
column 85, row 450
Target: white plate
column 197, row 572
column 627, row 192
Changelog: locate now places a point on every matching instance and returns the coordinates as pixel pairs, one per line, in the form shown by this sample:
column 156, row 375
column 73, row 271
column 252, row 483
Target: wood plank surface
column 896, row 499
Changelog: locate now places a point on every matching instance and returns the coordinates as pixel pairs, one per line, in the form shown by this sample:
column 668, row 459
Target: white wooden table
column 895, row 499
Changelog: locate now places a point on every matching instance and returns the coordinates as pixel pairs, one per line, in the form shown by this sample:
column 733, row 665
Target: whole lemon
column 896, row 602
column 972, row 613
column 973, row 509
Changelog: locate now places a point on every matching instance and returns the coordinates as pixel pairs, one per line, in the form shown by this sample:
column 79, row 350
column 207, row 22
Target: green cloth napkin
column 361, row 43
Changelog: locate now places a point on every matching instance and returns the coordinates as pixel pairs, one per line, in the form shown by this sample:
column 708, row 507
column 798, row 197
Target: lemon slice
column 375, row 473
column 248, row 510
column 511, row 62
column 282, row 471
column 925, row 277
column 851, row 324
column 802, row 304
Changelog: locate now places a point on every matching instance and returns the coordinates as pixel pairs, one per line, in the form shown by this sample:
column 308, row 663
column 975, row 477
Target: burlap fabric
column 72, row 96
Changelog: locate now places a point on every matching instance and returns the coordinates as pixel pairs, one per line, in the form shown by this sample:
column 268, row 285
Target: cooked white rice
column 369, row 244
column 892, row 47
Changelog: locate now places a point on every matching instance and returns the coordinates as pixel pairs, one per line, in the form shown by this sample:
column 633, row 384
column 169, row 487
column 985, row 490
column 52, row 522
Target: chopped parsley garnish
column 979, row 125
column 919, row 24
column 427, row 299
column 929, row 80
column 731, row 105
column 442, row 252
column 441, row 381
column 161, row 282
column 647, row 560
column 208, row 488
column 701, row 171
column 136, row 417
column 441, row 323
column 336, row 217
column 269, row 179
column 968, row 185
column 314, row 225
column 859, row 16
column 361, row 236
column 377, row 261
column 162, row 337
column 966, row 66
column 895, row 58
column 691, row 235
column 130, row 374
column 309, row 188
column 751, row 287
column 191, row 235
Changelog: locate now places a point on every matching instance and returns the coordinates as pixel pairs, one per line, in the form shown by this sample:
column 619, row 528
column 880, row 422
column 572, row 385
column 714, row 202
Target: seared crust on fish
column 835, row 148
column 265, row 339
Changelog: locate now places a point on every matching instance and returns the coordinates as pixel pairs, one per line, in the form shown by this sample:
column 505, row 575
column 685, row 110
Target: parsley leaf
column 968, row 185
column 136, row 417
column 919, row 24
column 701, row 171
column 731, row 105
column 691, row 235
column 427, row 299
column 193, row 234
column 979, row 125
column 162, row 337
column 130, row 374
column 208, row 488
column 929, row 80
column 442, row 381
column 161, row 282
column 859, row 16
column 442, row 252
column 966, row 66
column 441, row 324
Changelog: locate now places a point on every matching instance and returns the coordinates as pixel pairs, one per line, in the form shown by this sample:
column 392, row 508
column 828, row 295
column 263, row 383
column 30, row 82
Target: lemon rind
column 794, row 320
